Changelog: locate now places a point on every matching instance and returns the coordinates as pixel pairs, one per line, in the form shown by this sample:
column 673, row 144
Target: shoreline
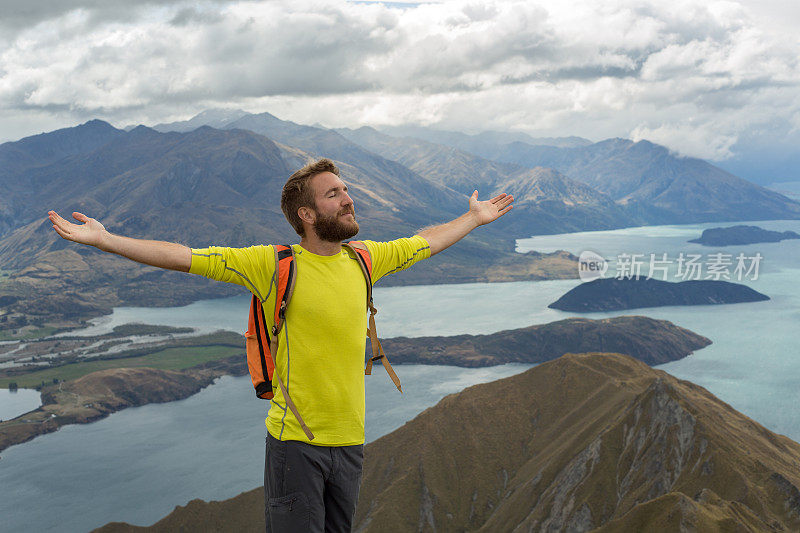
column 95, row 395
column 21, row 293
column 98, row 395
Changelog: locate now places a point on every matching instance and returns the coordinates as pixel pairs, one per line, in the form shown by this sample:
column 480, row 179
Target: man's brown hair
column 297, row 191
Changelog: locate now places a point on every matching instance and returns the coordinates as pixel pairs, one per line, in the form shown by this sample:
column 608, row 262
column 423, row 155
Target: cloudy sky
column 713, row 79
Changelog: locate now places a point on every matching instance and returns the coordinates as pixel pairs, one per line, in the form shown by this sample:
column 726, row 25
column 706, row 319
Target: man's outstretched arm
column 480, row 213
column 161, row 254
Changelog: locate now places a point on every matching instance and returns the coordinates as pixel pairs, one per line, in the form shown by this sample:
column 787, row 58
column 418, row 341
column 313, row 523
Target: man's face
column 335, row 218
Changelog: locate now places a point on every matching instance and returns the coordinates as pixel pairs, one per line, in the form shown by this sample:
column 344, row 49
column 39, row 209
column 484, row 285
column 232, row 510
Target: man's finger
column 507, row 200
column 498, row 197
column 62, row 233
column 58, row 221
column 80, row 216
column 55, row 217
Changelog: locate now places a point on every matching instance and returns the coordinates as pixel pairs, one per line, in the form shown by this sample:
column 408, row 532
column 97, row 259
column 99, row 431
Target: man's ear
column 307, row 215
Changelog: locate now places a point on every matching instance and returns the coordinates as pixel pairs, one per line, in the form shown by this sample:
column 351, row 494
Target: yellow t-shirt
column 321, row 347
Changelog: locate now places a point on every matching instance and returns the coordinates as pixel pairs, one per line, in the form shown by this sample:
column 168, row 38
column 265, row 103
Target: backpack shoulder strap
column 364, row 260
column 285, row 276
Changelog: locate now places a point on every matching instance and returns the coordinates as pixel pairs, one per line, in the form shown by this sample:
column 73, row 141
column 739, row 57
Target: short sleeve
column 393, row 256
column 251, row 267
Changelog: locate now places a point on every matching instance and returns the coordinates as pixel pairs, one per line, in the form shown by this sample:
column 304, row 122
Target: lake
column 15, row 403
column 138, row 464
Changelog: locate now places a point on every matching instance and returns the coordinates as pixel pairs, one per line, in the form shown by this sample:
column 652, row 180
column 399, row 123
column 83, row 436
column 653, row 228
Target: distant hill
column 587, row 442
column 649, row 340
column 216, row 118
column 655, row 184
column 613, row 294
column 734, row 235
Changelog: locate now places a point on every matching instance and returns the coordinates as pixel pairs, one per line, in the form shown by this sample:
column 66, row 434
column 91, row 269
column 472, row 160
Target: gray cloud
column 691, row 75
column 21, row 14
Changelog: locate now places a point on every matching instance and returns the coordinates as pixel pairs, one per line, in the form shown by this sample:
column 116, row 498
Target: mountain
column 655, row 184
column 587, row 442
column 647, row 181
column 209, row 186
column 30, row 153
column 146, row 183
column 545, row 201
column 45, row 148
column 575, row 444
column 216, row 118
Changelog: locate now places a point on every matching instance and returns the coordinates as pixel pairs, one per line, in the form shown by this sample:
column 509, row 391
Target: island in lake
column 742, row 235
column 614, row 294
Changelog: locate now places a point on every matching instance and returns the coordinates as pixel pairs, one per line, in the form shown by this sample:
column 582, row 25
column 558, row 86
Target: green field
column 28, row 335
column 167, row 359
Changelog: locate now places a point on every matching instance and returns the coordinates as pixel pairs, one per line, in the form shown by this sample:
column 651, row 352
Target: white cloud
column 689, row 139
column 690, row 74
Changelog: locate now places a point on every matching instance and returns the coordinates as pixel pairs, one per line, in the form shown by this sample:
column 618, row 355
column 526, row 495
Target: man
column 309, row 486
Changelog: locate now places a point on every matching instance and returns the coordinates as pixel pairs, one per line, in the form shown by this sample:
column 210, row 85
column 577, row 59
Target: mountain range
column 647, row 182
column 193, row 183
column 641, row 182
column 206, row 186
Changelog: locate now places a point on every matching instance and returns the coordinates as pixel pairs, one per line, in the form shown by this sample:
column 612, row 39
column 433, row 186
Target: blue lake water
column 15, row 403
column 138, row 464
column 754, row 361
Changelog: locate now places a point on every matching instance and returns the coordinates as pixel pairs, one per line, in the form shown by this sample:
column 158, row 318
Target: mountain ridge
column 590, row 441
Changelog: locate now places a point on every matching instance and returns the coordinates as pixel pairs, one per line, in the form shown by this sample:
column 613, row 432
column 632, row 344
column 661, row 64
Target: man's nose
column 346, row 200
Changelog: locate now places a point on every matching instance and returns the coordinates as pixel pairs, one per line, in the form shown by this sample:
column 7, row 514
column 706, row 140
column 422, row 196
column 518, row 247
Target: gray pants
column 310, row 488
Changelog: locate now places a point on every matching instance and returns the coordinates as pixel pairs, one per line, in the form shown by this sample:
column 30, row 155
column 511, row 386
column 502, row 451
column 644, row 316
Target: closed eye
column 333, row 192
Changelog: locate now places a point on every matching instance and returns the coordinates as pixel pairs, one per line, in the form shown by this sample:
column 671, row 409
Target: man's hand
column 489, row 210
column 90, row 232
column 480, row 213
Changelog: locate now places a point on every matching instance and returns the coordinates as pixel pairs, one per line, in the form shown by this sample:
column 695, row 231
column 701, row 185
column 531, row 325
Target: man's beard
column 332, row 229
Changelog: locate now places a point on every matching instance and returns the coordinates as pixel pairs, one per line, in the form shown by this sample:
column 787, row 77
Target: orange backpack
column 262, row 345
